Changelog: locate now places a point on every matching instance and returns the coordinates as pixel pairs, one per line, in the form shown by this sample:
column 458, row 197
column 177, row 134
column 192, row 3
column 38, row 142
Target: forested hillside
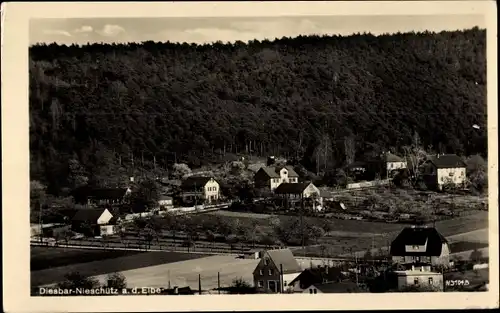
column 93, row 108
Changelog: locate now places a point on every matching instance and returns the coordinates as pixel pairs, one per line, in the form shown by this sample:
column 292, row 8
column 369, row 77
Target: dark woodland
column 96, row 109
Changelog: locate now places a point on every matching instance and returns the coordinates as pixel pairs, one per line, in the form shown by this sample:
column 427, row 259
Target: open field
column 479, row 236
column 105, row 266
column 49, row 257
column 186, row 273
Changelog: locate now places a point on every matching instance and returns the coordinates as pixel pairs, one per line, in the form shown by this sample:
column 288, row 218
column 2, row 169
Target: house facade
column 444, row 169
column 393, row 164
column 165, row 202
column 420, row 245
column 295, row 192
column 419, row 278
column 199, row 190
column 271, row 177
column 276, row 269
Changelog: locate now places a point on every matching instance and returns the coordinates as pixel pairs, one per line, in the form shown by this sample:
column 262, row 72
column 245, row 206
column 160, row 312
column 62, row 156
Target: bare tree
column 350, row 149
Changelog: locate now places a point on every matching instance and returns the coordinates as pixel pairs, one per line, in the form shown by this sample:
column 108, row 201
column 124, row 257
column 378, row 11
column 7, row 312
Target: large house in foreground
column 271, row 177
column 443, row 169
column 275, row 270
column 420, row 246
column 200, row 190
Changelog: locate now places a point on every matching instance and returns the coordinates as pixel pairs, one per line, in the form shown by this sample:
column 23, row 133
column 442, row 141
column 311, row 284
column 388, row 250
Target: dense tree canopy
column 100, row 110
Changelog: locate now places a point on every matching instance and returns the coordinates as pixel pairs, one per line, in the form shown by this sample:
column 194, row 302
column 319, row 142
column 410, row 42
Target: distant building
column 202, row 189
column 94, row 222
column 420, row 245
column 271, row 177
column 165, row 202
column 393, row 164
column 87, row 195
column 295, row 192
column 444, row 169
column 333, row 287
column 275, row 270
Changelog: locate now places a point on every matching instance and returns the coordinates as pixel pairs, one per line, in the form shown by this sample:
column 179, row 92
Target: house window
column 310, row 291
column 451, row 174
column 431, row 281
column 266, row 262
column 417, row 258
column 315, row 291
column 270, row 272
column 415, row 281
column 260, row 284
column 261, row 272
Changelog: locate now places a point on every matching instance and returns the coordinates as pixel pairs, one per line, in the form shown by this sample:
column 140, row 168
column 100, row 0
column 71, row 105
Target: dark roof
column 291, row 188
column 195, row 182
column 389, row 157
column 447, row 161
column 88, row 215
column 357, row 164
column 317, row 275
column 284, row 258
column 338, row 287
column 274, row 171
column 100, row 193
column 163, row 197
column 410, row 236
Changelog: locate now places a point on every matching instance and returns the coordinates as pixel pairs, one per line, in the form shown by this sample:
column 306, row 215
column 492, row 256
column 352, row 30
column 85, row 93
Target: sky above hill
column 230, row 29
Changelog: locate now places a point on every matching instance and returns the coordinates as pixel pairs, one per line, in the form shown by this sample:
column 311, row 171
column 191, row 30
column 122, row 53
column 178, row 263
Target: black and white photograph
column 258, row 154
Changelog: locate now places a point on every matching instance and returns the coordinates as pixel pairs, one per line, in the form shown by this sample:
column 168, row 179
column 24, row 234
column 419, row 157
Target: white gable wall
column 104, row 218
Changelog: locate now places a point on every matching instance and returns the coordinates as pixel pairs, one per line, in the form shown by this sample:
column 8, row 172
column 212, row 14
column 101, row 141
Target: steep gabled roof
column 291, row 188
column 411, row 236
column 88, row 215
column 195, row 182
column 284, row 258
column 274, row 171
column 389, row 157
column 447, row 161
column 311, row 276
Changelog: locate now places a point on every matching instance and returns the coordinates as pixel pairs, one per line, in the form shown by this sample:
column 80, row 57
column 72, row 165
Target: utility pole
column 169, row 279
column 302, row 222
column 218, row 282
column 199, row 284
column 281, row 278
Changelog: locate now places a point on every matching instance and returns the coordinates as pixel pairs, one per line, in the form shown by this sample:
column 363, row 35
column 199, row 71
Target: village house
column 94, row 222
column 444, row 169
column 200, row 190
column 275, row 270
column 333, row 287
column 393, row 164
column 419, row 277
column 312, row 276
column 271, row 177
column 87, row 195
column 293, row 193
column 420, row 245
column 165, row 202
